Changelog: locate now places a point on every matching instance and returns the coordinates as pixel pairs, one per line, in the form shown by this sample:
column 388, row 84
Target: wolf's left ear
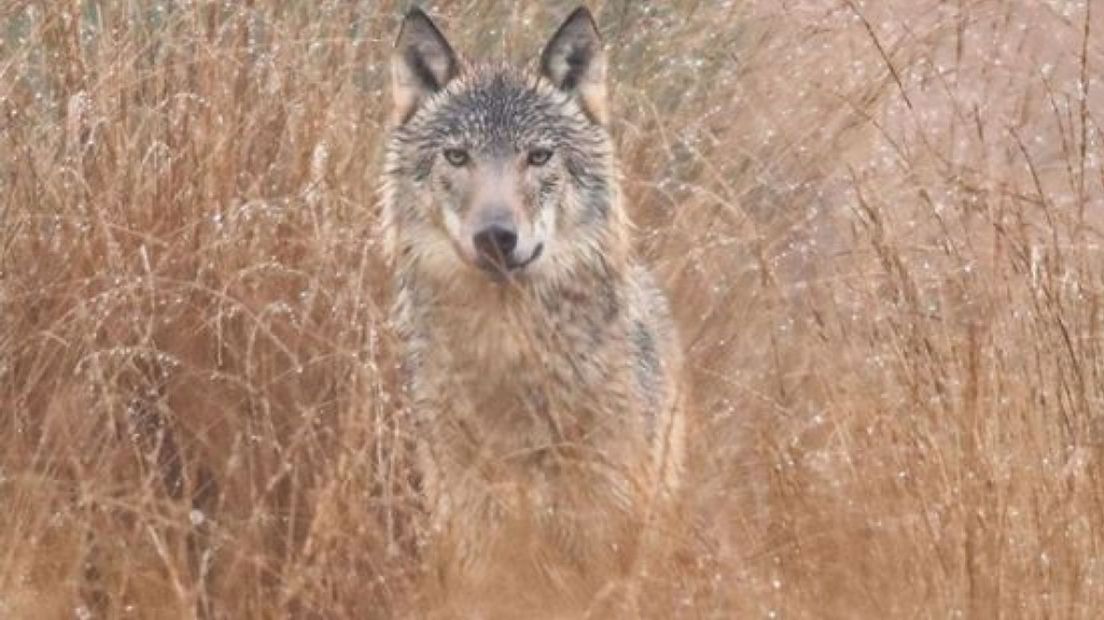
column 421, row 64
column 576, row 63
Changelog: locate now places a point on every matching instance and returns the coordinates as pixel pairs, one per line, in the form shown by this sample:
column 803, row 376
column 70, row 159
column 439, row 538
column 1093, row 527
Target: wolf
column 541, row 365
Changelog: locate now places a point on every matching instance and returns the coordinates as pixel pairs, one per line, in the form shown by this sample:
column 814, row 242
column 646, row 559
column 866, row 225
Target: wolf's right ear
column 421, row 64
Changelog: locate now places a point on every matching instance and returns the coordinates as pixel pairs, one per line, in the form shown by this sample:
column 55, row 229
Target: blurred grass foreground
column 881, row 223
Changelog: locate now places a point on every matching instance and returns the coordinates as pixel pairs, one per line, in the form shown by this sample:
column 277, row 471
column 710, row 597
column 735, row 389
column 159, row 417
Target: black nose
column 496, row 242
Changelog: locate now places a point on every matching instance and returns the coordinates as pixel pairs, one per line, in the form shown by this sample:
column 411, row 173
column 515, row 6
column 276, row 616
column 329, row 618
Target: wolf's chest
column 508, row 348
column 516, row 381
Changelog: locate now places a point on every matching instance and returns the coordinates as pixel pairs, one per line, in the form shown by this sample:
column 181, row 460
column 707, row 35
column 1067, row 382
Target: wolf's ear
column 421, row 64
column 575, row 62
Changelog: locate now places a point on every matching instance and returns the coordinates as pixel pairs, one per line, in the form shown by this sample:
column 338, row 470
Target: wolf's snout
column 496, row 243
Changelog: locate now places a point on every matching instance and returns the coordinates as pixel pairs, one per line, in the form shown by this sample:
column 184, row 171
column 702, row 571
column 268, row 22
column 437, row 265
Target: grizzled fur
column 544, row 384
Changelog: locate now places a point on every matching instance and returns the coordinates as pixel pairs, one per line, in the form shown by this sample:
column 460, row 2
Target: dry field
column 881, row 223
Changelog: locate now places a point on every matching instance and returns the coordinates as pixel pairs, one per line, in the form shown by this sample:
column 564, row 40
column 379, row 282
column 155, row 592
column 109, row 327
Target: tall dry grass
column 880, row 224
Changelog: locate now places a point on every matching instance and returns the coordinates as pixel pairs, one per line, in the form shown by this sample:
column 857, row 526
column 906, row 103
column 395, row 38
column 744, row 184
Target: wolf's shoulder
column 649, row 312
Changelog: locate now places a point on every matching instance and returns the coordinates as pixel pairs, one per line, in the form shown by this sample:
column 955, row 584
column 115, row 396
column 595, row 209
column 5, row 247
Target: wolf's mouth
column 503, row 269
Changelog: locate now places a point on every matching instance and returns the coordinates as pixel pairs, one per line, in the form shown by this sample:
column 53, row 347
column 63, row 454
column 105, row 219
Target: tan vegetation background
column 880, row 223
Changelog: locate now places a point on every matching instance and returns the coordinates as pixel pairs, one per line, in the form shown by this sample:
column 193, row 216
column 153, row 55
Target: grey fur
column 546, row 400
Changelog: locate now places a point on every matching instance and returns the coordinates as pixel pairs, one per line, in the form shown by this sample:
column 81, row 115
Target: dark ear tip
column 418, row 20
column 579, row 23
column 418, row 23
column 415, row 14
column 410, row 20
column 581, row 13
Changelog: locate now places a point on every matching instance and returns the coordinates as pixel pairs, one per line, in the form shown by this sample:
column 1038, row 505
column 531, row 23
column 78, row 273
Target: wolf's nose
column 496, row 242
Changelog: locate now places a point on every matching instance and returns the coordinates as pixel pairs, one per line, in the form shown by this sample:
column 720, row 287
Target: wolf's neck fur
column 527, row 364
column 492, row 327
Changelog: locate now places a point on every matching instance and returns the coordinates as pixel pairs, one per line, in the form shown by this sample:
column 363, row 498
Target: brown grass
column 881, row 224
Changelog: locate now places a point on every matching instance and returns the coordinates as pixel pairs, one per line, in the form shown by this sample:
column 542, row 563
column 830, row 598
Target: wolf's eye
column 457, row 157
column 539, row 157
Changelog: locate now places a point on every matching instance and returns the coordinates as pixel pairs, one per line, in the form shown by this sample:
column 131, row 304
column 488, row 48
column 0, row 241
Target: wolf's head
column 495, row 171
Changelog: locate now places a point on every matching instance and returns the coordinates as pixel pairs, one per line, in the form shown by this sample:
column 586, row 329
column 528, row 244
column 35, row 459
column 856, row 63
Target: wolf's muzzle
column 496, row 243
column 495, row 247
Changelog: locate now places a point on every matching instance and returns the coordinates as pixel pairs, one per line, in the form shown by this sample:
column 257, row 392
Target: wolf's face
column 493, row 164
column 495, row 171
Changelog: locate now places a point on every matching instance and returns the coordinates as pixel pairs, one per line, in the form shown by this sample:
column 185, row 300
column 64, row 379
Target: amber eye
column 539, row 157
column 457, row 157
